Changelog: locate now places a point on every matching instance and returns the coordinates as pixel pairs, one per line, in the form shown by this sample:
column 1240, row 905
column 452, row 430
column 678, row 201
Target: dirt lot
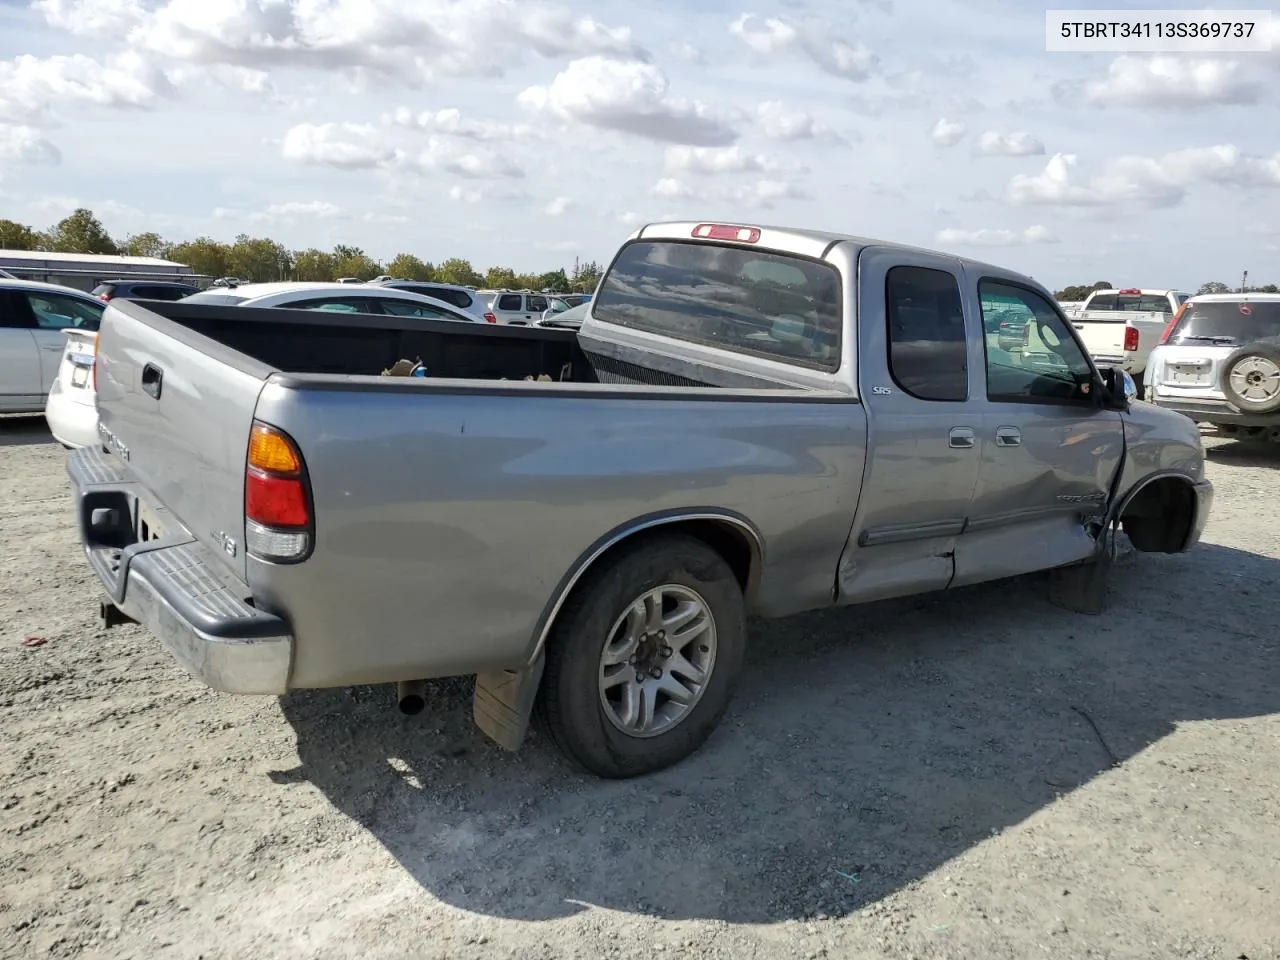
column 924, row 779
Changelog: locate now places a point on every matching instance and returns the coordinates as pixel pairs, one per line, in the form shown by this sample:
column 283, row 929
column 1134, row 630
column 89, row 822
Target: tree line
column 1079, row 291
column 261, row 260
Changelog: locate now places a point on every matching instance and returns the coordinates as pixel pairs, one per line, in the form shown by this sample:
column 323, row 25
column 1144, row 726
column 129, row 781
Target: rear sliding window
column 1233, row 323
column 1146, row 303
column 734, row 298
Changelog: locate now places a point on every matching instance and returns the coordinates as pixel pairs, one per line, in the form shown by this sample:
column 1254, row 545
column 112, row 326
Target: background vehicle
column 721, row 437
column 33, row 317
column 335, row 298
column 519, row 308
column 464, row 298
column 6, row 275
column 568, row 319
column 143, row 290
column 1122, row 327
column 1218, row 362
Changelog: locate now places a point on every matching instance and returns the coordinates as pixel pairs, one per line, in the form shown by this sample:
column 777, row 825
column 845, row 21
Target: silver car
column 1218, row 362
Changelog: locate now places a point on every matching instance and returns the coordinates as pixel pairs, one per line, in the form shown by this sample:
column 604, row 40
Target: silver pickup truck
column 750, row 421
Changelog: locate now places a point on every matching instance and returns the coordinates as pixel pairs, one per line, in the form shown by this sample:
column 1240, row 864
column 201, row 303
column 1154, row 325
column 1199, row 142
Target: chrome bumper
column 174, row 587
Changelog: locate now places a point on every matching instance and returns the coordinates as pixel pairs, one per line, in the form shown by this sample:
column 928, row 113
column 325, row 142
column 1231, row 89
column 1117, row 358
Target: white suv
column 1218, row 362
column 520, row 307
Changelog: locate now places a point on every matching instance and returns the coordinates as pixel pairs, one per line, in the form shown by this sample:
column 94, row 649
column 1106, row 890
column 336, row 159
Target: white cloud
column 410, row 43
column 320, row 209
column 23, row 144
column 1155, row 181
column 558, row 207
column 1174, row 83
column 475, row 163
column 627, row 96
column 993, row 144
column 775, row 121
column 995, row 238
column 475, row 193
column 717, row 160
column 947, row 133
column 777, row 36
column 30, row 86
column 451, row 121
column 347, row 146
column 686, row 51
column 763, row 193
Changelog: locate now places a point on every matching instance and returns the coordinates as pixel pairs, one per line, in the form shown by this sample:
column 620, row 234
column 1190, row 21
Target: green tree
column 17, row 236
column 204, row 255
column 1078, row 291
column 81, row 232
column 314, row 265
column 258, row 259
column 459, row 271
column 587, row 277
column 354, row 262
column 146, row 245
column 553, row 280
column 1213, row 286
column 1269, row 288
column 500, row 278
column 405, row 266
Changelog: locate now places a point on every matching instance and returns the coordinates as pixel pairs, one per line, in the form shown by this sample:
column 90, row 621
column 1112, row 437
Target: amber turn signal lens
column 270, row 451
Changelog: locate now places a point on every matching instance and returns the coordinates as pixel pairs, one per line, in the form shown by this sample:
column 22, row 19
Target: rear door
column 917, row 348
column 20, row 377
column 1049, row 452
column 51, row 314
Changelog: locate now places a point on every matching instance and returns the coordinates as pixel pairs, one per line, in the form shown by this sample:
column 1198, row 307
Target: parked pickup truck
column 1122, row 327
column 750, row 420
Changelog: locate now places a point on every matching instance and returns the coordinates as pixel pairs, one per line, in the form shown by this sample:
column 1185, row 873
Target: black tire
column 1140, row 384
column 1260, row 348
column 569, row 700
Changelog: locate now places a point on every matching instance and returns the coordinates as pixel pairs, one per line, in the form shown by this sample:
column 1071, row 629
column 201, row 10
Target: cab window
column 1048, row 366
column 928, row 355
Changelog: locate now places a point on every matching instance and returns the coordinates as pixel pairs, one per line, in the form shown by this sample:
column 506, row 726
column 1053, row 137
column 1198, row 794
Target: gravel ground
column 976, row 775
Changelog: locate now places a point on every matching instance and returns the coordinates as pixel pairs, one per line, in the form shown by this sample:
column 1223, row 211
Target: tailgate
column 178, row 408
column 1103, row 335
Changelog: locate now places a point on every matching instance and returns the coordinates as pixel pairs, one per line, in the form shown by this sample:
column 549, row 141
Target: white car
column 464, row 298
column 335, row 297
column 38, row 321
column 72, row 408
column 1218, row 362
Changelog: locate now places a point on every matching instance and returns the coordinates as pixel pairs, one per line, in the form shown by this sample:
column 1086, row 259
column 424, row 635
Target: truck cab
column 1121, row 327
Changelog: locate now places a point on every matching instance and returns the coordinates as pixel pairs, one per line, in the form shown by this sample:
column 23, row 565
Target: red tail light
column 277, row 501
column 104, row 297
column 490, row 318
column 1168, row 329
column 1130, row 339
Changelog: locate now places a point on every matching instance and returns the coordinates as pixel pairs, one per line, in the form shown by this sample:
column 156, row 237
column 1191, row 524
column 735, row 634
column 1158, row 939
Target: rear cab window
column 1227, row 322
column 764, row 304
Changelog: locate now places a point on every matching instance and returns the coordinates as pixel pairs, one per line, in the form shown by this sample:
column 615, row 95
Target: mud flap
column 1082, row 587
column 503, row 703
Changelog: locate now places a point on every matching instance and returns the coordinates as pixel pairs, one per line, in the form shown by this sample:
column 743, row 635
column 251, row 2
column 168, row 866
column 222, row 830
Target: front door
column 1049, row 452
column 917, row 347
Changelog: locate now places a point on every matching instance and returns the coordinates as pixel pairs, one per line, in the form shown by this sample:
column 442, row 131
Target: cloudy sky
column 524, row 133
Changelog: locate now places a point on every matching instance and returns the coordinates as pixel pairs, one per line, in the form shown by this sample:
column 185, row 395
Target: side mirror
column 1120, row 388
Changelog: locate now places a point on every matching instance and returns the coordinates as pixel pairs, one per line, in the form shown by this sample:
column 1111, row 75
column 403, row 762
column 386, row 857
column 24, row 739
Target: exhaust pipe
column 411, row 696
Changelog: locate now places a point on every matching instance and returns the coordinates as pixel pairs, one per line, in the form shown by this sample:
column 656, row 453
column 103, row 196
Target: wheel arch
column 730, row 534
column 1158, row 513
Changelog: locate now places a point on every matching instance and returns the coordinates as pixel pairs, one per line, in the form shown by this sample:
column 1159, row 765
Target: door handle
column 1008, row 437
column 962, row 438
column 151, row 378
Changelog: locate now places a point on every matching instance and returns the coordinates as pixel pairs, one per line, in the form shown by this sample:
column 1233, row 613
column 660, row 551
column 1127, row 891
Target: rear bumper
column 1214, row 411
column 173, row 586
column 72, row 423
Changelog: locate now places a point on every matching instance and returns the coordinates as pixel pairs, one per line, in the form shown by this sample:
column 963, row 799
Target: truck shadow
column 865, row 749
column 21, row 430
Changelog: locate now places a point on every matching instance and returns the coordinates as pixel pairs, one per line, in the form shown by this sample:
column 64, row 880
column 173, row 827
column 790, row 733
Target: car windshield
column 1233, row 321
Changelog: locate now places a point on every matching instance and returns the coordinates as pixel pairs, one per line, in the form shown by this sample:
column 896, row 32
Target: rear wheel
column 644, row 659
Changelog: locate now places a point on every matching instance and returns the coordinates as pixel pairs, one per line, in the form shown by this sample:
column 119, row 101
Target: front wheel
column 644, row 659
